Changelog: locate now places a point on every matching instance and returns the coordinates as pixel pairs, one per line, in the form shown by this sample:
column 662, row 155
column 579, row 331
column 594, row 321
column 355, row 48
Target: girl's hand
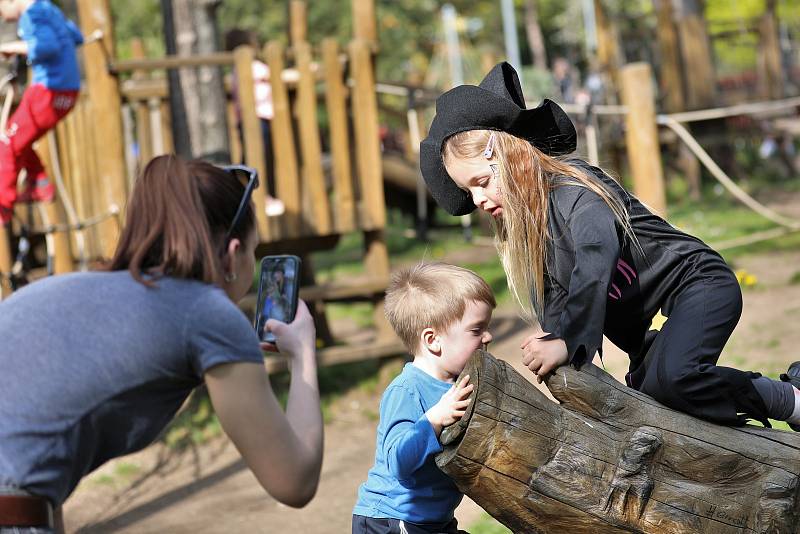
column 543, row 355
column 451, row 406
column 293, row 339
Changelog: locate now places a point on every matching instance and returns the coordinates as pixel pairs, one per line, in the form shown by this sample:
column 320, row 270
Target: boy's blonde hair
column 431, row 295
column 526, row 177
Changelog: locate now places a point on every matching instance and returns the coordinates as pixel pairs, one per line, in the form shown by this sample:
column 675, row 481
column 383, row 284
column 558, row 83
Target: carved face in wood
column 457, row 343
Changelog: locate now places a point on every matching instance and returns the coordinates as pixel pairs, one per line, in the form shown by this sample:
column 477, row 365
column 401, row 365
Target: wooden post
column 6, row 261
column 144, row 134
column 107, row 113
column 670, row 66
column 365, row 122
column 609, row 459
column 770, row 72
column 311, row 151
column 251, row 132
column 609, row 55
column 701, row 77
column 287, row 177
column 336, row 104
column 298, row 25
column 641, row 136
column 364, row 22
column 62, row 253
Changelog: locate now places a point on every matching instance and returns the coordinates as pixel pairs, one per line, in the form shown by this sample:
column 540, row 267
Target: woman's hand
column 451, row 406
column 543, row 355
column 293, row 339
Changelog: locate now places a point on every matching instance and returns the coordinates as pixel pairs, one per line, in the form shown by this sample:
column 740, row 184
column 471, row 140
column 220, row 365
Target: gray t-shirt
column 94, row 365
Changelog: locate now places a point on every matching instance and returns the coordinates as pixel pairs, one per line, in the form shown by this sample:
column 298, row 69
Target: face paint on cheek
column 496, row 174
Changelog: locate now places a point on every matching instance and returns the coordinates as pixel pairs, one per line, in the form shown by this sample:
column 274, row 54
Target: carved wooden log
column 610, row 459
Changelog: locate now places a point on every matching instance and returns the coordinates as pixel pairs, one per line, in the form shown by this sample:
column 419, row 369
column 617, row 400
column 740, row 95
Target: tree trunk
column 669, row 66
column 701, row 79
column 534, row 32
column 610, row 459
column 203, row 91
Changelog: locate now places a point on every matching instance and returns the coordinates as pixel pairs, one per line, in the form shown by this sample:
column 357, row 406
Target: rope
column 723, row 178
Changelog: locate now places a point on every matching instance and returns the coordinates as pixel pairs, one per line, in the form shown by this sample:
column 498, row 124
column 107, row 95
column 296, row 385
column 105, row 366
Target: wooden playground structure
column 124, row 105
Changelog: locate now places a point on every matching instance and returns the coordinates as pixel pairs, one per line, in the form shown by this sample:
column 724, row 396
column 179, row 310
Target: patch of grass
column 104, row 480
column 126, row 469
column 795, row 278
column 488, row 525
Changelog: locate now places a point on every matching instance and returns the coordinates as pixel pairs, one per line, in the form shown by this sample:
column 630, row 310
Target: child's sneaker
column 792, row 375
column 39, row 190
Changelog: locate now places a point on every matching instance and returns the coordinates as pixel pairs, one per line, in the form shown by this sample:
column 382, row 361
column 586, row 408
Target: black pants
column 373, row 525
column 680, row 368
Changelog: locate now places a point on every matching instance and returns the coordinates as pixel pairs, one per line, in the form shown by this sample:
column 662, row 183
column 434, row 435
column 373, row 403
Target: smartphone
column 278, row 289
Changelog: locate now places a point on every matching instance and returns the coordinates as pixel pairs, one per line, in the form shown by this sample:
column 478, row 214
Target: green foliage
column 488, row 525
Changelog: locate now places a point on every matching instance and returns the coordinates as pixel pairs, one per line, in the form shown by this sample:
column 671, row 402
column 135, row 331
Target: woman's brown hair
column 177, row 217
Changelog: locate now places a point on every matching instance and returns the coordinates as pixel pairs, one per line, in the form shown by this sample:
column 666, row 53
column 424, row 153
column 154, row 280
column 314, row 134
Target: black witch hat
column 495, row 104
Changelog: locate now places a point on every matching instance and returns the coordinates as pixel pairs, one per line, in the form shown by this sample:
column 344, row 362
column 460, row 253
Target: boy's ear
column 431, row 341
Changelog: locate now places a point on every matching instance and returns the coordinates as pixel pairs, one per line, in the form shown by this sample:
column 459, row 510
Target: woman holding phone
column 96, row 364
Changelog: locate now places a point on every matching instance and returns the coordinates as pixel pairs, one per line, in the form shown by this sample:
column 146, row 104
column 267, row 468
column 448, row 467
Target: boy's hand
column 543, row 355
column 451, row 406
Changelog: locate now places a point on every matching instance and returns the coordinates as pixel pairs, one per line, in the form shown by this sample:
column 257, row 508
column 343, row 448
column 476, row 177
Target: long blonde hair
column 525, row 180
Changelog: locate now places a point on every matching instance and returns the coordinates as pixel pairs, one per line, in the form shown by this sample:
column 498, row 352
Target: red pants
column 39, row 110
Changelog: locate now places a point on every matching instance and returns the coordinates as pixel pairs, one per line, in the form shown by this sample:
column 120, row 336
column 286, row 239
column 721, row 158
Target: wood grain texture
column 610, row 459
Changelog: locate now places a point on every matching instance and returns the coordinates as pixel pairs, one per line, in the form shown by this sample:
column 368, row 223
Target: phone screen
column 277, row 292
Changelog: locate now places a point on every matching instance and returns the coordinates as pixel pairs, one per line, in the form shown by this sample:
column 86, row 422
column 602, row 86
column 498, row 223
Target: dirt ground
column 209, row 489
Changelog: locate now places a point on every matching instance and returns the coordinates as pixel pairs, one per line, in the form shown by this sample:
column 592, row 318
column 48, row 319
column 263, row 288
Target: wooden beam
column 641, row 135
column 364, row 22
column 106, row 131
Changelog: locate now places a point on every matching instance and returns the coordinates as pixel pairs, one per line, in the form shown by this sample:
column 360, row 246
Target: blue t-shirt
column 94, row 366
column 405, row 482
column 51, row 39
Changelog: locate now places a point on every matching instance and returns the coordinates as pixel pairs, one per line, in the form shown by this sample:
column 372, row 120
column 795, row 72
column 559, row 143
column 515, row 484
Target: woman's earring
column 230, row 277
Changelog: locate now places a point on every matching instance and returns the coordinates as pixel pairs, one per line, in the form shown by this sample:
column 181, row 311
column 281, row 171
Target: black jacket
column 597, row 281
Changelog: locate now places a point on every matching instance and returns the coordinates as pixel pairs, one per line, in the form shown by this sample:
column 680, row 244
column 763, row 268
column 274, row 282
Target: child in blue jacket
column 441, row 313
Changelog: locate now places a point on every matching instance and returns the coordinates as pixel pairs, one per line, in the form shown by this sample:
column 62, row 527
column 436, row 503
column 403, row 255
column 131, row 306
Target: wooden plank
column 364, row 26
column 287, row 177
column 6, row 260
column 343, row 354
column 251, row 132
column 368, row 153
column 336, row 104
column 107, row 121
column 166, row 128
column 171, row 62
column 233, row 133
column 310, row 149
column 641, row 138
column 349, row 289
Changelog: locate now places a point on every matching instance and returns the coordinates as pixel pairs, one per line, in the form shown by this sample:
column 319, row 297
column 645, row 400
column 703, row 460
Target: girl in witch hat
column 585, row 258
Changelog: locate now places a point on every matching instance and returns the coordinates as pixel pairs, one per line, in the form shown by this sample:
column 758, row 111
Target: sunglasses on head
column 248, row 177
